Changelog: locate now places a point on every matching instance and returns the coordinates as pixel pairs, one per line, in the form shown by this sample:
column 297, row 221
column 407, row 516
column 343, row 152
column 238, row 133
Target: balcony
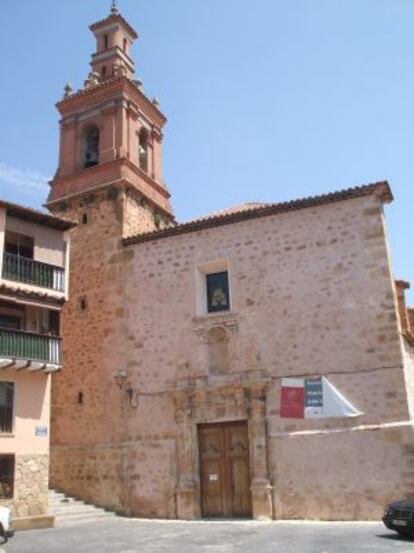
column 36, row 273
column 23, row 345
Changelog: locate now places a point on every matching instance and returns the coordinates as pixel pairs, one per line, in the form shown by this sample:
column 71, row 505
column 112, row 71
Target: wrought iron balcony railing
column 19, row 344
column 29, row 271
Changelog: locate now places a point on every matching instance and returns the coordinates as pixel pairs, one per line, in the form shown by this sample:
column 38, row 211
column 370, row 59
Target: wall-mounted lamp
column 121, row 378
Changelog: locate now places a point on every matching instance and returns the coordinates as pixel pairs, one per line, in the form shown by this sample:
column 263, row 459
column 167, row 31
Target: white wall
column 49, row 245
column 31, row 409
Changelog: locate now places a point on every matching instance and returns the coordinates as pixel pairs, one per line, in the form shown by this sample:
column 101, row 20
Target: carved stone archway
column 221, row 404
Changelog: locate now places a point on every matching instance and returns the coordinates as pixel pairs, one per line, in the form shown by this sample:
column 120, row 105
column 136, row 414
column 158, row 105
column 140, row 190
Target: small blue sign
column 41, row 431
column 313, row 392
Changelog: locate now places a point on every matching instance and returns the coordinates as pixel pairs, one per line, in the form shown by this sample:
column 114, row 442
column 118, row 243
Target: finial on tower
column 114, row 7
column 68, row 90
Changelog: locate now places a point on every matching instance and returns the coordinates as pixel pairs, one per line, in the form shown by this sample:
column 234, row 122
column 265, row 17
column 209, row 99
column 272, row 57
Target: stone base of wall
column 89, row 473
column 328, row 476
column 132, row 479
column 344, row 475
column 36, row 522
column 30, row 486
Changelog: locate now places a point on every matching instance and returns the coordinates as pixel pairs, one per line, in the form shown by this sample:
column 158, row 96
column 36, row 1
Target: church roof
column 246, row 206
column 35, row 216
column 252, row 210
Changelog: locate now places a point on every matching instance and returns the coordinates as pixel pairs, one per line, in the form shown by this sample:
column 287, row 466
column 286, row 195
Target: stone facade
column 305, row 286
column 30, row 486
column 312, row 293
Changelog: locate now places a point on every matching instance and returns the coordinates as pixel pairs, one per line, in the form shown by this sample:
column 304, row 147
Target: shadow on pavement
column 396, row 537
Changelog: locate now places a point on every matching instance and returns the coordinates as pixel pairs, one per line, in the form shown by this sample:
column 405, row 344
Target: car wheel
column 405, row 533
column 2, row 534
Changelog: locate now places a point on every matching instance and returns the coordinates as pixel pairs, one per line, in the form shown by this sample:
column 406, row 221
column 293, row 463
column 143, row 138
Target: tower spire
column 114, row 7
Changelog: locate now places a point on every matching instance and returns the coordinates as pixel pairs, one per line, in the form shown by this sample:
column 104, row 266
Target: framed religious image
column 218, row 298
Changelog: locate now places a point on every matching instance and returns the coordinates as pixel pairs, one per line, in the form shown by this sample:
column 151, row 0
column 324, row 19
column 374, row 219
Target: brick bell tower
column 110, row 131
column 109, row 179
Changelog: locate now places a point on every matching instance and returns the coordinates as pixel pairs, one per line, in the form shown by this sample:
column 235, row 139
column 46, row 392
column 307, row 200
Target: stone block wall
column 410, row 314
column 85, row 399
column 140, row 215
column 90, row 414
column 312, row 294
column 131, row 478
column 408, row 353
column 30, row 486
column 342, row 475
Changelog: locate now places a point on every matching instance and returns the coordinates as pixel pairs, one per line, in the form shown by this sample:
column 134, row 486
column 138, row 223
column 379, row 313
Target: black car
column 399, row 516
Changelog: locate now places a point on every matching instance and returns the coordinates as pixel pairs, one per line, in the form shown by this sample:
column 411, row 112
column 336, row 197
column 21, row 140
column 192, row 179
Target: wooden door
column 225, row 470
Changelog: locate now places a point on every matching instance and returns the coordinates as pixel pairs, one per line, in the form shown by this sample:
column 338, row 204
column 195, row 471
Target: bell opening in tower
column 143, row 150
column 91, row 147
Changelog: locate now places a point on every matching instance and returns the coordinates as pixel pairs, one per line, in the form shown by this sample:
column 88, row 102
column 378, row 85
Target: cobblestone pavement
column 143, row 536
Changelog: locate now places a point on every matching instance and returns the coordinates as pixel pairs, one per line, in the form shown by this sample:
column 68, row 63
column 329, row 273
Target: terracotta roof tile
column 35, row 216
column 246, row 206
column 256, row 209
column 16, row 291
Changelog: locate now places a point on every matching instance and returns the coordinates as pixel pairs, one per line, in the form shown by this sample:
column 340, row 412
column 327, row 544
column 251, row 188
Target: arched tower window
column 91, row 147
column 143, row 149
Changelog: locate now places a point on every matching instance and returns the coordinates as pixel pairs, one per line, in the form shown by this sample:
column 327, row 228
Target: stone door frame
column 196, row 406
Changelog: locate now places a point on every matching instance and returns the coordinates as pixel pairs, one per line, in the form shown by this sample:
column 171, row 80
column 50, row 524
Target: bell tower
column 110, row 131
column 109, row 179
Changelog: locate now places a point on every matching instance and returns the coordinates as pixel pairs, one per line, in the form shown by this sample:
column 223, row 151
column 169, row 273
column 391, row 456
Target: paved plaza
column 122, row 535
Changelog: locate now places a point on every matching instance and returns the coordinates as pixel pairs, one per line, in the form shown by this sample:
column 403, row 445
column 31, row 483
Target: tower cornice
column 117, row 162
column 101, row 91
column 52, row 204
column 111, row 19
column 105, row 175
column 107, row 54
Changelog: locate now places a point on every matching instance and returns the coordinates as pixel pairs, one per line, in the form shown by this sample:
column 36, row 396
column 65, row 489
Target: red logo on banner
column 292, row 403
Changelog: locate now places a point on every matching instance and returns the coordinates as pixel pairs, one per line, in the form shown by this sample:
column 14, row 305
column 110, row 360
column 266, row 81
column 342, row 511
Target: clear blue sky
column 267, row 100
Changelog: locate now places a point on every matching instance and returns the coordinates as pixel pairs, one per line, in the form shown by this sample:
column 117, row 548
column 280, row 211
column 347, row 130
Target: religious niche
column 91, row 147
column 218, row 298
column 217, row 351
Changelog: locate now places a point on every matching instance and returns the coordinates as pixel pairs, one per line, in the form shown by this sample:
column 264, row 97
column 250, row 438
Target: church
column 256, row 362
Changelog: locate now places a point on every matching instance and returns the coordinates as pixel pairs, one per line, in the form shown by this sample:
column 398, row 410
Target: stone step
column 87, row 514
column 69, row 511
column 64, row 500
column 77, row 509
column 64, row 503
column 56, row 495
column 68, row 503
column 59, row 499
column 76, row 522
